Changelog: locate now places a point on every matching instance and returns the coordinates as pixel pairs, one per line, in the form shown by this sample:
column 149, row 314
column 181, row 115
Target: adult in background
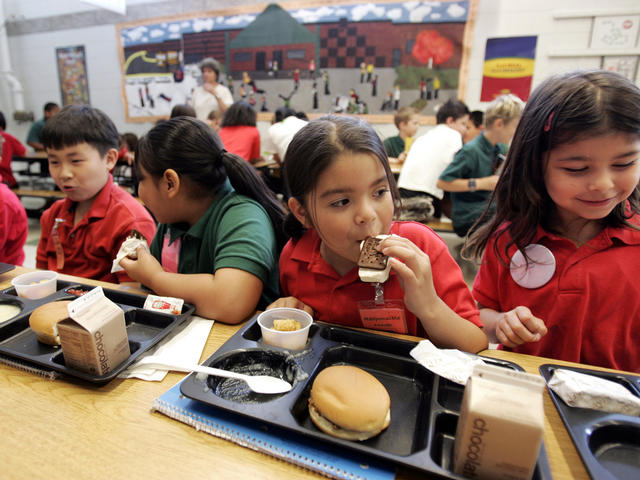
column 211, row 95
column 10, row 146
column 33, row 137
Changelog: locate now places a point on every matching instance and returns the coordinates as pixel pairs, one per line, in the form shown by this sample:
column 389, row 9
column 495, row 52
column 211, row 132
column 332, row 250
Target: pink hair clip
column 547, row 125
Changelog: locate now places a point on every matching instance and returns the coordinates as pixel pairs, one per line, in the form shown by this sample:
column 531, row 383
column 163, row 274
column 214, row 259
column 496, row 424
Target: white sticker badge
column 541, row 267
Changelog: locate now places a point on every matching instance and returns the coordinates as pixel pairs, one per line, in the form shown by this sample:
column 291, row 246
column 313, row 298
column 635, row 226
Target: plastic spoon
column 257, row 383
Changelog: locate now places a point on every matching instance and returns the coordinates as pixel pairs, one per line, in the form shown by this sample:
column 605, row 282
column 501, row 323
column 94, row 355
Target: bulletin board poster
column 508, row 67
column 72, row 72
column 316, row 56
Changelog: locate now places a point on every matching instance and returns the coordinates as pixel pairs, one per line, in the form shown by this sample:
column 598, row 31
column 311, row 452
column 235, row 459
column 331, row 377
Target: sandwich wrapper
column 449, row 363
column 128, row 249
column 587, row 391
column 184, row 345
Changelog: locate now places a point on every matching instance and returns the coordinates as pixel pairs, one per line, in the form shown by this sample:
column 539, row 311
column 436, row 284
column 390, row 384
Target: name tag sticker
column 388, row 316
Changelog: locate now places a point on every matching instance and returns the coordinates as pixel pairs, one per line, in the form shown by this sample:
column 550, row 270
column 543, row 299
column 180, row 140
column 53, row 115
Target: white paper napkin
column 185, row 344
column 451, row 364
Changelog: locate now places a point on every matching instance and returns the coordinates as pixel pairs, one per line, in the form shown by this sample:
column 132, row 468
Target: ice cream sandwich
column 373, row 266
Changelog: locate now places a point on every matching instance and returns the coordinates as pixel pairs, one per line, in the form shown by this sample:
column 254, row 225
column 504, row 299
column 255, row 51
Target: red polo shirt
column 591, row 305
column 92, row 244
column 306, row 276
column 10, row 147
column 13, row 227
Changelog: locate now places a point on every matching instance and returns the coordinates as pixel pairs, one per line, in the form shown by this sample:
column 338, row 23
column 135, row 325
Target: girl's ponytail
column 247, row 182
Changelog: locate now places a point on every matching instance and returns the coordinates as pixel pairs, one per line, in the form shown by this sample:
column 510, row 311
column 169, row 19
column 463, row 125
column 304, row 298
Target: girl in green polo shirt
column 219, row 232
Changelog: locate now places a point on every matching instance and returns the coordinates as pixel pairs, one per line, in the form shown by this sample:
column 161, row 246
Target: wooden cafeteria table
column 67, row 428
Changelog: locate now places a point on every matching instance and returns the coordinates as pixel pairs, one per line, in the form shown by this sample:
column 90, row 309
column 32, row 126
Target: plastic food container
column 293, row 340
column 36, row 284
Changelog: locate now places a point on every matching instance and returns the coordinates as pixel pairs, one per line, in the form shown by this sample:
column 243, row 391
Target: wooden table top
column 67, row 428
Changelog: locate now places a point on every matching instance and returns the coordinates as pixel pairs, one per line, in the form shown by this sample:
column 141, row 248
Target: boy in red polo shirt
column 82, row 233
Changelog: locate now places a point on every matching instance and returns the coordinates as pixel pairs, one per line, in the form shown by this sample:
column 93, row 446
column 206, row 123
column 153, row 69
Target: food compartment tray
column 608, row 443
column 145, row 328
column 424, row 406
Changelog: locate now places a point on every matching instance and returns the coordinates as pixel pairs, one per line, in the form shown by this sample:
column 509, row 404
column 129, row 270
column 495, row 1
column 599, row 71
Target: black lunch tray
column 424, row 406
column 6, row 267
column 145, row 328
column 609, row 443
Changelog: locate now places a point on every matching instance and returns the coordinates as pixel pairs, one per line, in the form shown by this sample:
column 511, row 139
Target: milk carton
column 94, row 338
column 501, row 424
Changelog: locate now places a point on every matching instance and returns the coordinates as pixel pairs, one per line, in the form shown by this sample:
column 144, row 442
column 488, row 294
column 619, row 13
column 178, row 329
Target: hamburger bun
column 44, row 321
column 347, row 402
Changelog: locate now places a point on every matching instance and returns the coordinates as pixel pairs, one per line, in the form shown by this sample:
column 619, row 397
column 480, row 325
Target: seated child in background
column 13, row 226
column 343, row 191
column 431, row 153
column 473, row 174
column 182, row 110
column 214, row 119
column 239, row 133
column 82, row 233
column 284, row 126
column 9, row 146
column 475, row 126
column 220, row 227
column 568, row 201
column 407, row 123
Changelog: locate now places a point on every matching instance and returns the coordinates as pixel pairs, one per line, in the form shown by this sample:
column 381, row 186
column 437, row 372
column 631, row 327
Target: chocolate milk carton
column 501, row 424
column 94, row 338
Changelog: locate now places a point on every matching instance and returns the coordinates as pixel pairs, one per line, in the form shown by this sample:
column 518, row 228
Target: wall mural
column 339, row 57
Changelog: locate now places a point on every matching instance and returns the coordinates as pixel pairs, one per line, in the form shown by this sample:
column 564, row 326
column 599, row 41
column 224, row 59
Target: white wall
column 33, row 55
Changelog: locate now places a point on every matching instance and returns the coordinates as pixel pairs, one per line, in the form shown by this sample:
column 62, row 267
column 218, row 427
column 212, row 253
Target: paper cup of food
column 35, row 284
column 285, row 327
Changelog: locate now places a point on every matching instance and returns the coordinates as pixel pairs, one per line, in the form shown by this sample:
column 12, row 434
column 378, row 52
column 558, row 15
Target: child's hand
column 143, row 268
column 519, row 326
column 413, row 268
column 291, row 302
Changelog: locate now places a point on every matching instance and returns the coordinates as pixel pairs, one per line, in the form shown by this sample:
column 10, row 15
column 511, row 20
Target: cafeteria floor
column 451, row 239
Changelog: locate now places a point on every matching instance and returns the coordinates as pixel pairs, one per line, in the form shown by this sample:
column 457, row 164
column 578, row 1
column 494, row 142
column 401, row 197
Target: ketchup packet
column 164, row 304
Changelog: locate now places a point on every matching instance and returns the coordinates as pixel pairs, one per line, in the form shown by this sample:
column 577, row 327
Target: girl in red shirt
column 239, row 133
column 341, row 192
column 561, row 255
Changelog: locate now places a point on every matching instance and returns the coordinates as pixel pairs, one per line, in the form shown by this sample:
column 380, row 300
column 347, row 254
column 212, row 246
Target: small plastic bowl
column 294, row 340
column 36, row 284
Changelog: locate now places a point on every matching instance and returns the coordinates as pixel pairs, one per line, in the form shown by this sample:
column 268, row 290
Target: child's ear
column 111, row 158
column 171, row 182
column 299, row 212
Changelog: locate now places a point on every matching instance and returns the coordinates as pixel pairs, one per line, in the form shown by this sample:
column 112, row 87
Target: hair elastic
column 547, row 125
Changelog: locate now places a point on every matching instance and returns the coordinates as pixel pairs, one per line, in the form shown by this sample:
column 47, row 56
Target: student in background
column 182, row 111
column 473, row 174
column 214, row 119
column 13, row 226
column 475, row 126
column 284, row 126
column 34, row 139
column 81, row 234
column 239, row 133
column 342, row 191
column 407, row 123
column 10, row 146
column 220, row 229
column 567, row 213
column 431, row 153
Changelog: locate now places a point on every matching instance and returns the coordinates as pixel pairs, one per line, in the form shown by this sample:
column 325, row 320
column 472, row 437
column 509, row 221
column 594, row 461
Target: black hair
column 451, row 108
column 76, row 124
column 239, row 113
column 281, row 113
column 314, row 148
column 302, row 115
column 131, row 140
column 563, row 109
column 477, row 117
column 182, row 110
column 3, row 122
column 50, row 106
column 195, row 151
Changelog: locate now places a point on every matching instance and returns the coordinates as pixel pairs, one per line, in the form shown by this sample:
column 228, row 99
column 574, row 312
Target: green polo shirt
column 36, row 131
column 394, row 146
column 474, row 160
column 234, row 232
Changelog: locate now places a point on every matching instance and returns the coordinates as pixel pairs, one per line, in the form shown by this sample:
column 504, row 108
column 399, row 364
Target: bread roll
column 349, row 403
column 44, row 321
